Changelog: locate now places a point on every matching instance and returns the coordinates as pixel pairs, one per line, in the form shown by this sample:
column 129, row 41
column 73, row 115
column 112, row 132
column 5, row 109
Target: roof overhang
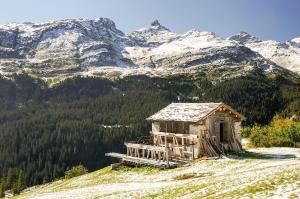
column 221, row 107
column 225, row 107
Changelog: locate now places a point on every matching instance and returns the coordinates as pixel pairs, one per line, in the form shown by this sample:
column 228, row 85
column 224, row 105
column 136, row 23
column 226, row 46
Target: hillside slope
column 44, row 131
column 259, row 173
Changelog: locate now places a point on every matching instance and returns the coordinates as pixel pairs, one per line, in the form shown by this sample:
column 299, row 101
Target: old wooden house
column 186, row 131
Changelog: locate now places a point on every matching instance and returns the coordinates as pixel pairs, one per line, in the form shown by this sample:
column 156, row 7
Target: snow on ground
column 259, row 173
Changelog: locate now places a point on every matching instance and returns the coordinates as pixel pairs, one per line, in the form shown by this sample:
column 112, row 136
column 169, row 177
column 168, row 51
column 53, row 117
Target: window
column 186, row 128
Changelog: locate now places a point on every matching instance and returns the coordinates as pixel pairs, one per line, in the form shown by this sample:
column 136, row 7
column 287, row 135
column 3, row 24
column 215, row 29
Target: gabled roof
column 189, row 112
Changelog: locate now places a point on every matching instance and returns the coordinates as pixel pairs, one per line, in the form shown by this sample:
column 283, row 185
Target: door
column 222, row 133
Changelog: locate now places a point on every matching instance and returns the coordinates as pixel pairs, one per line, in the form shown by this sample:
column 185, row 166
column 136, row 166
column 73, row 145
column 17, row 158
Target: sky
column 265, row 19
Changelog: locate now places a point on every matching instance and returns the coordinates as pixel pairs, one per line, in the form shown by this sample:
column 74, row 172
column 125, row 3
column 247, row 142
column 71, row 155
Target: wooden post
column 148, row 153
column 138, row 152
column 166, row 149
column 193, row 152
column 166, row 127
column 167, row 157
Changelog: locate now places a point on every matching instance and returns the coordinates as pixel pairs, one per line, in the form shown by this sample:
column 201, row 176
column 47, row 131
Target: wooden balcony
column 148, row 151
column 163, row 138
column 165, row 150
column 181, row 145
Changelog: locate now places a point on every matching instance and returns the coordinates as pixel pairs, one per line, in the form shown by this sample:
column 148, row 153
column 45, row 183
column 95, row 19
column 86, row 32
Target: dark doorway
column 221, row 132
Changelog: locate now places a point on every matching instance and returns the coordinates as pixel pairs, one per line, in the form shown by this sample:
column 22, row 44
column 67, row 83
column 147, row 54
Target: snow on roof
column 185, row 112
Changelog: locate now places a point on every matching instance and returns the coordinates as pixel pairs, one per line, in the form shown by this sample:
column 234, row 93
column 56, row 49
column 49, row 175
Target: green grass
column 215, row 185
column 203, row 179
column 145, row 170
column 271, row 183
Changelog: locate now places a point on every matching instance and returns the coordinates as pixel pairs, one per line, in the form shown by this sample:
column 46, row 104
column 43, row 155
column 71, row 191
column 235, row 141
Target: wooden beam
column 143, row 146
column 175, row 134
column 148, row 153
column 140, row 161
column 143, row 153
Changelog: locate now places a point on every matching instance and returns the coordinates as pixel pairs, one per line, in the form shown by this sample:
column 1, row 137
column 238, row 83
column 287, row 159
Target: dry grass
column 250, row 174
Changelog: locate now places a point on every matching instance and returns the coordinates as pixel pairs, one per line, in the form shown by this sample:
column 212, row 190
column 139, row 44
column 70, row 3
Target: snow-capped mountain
column 285, row 54
column 97, row 47
column 152, row 36
column 61, row 45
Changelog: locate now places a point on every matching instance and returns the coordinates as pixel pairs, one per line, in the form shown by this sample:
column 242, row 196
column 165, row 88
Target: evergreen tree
column 9, row 179
column 20, row 183
column 2, row 189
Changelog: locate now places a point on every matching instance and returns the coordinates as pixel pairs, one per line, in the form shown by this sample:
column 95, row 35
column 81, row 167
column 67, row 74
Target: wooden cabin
column 186, row 131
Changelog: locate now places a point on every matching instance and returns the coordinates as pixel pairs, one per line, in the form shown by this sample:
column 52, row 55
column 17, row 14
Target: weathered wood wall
column 231, row 129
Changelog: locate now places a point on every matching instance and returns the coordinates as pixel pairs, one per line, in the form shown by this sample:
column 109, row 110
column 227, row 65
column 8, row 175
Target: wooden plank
column 148, row 153
column 138, row 152
column 192, row 136
column 144, row 146
column 143, row 153
column 143, row 161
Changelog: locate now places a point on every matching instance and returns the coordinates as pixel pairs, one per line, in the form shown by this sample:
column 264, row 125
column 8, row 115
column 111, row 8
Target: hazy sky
column 266, row 19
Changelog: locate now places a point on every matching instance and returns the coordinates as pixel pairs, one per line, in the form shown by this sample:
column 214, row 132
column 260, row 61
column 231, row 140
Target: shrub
column 75, row 171
column 280, row 132
column 259, row 136
column 246, row 132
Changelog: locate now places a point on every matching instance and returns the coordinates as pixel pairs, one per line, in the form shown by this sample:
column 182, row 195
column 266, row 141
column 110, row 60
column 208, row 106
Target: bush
column 280, row 132
column 259, row 136
column 246, row 132
column 75, row 171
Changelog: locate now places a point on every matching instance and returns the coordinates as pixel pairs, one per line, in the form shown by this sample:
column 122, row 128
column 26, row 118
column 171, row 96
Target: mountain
column 97, row 48
column 243, row 38
column 61, row 47
column 284, row 54
column 152, row 36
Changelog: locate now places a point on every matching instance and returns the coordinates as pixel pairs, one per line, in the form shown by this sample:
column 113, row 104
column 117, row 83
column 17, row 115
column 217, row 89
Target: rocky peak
column 152, row 35
column 243, row 37
column 155, row 23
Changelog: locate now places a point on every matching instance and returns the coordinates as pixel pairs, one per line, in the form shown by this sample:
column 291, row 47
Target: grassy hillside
column 258, row 173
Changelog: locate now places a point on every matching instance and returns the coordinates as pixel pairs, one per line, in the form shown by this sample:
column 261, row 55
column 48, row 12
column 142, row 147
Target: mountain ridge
column 98, row 48
column 285, row 54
